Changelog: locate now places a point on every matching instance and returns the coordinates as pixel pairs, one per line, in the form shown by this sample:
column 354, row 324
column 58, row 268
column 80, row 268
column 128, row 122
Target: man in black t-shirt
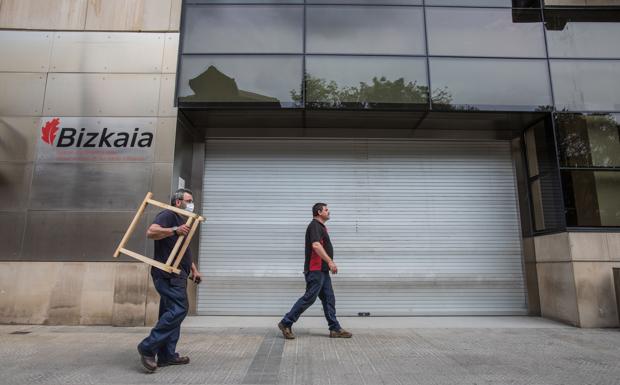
column 172, row 288
column 319, row 262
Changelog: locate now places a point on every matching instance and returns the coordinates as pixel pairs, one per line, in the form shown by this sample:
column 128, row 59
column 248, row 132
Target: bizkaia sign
column 96, row 139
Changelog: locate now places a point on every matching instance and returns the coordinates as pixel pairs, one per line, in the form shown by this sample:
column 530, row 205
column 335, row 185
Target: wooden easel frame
column 176, row 255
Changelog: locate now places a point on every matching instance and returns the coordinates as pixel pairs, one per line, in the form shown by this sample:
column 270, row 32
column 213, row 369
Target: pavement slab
column 529, row 351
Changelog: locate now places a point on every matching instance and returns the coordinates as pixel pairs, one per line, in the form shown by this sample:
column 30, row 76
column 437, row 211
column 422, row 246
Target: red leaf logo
column 49, row 131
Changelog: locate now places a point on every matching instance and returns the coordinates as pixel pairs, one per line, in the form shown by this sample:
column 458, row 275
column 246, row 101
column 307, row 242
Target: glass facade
column 559, row 57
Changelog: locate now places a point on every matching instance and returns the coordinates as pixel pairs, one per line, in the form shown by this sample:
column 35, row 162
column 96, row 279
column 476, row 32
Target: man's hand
column 196, row 277
column 332, row 267
column 183, row 230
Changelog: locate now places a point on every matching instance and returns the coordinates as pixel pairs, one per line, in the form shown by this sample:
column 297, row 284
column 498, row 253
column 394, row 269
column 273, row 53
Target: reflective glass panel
column 365, row 81
column 243, row 29
column 270, row 80
column 483, row 32
column 581, row 3
column 586, row 85
column 365, row 30
column 371, row 2
column 243, row 1
column 583, row 33
column 589, row 140
column 591, row 197
column 537, row 205
column 490, row 84
column 487, row 3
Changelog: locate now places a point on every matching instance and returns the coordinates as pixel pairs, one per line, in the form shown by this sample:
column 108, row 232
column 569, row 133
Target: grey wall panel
column 171, row 52
column 120, row 52
column 14, row 185
column 175, row 15
column 12, row 229
column 128, row 15
column 21, row 94
column 79, row 236
column 25, row 51
column 162, row 181
column 37, row 14
column 164, row 139
column 102, row 95
column 166, row 96
column 90, row 186
column 18, row 138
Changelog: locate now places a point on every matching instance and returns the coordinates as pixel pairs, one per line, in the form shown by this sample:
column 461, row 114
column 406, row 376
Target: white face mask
column 189, row 207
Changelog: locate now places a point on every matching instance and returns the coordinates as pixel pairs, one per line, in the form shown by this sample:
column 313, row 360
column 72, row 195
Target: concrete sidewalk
column 250, row 350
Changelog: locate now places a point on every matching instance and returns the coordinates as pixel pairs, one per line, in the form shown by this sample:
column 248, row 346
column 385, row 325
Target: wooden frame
column 176, row 255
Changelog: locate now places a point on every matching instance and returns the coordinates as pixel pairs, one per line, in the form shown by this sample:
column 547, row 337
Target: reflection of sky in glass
column 482, row 32
column 237, row 29
column 273, row 76
column 581, row 39
column 247, row 1
column 350, row 71
column 380, row 30
column 477, row 3
column 493, row 82
column 586, row 84
column 374, row 2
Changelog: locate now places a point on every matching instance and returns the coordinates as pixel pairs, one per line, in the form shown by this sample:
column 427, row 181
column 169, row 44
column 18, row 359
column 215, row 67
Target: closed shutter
column 418, row 227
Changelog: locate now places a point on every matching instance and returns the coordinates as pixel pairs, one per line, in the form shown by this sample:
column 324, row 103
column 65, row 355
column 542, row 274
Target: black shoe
column 148, row 362
column 174, row 361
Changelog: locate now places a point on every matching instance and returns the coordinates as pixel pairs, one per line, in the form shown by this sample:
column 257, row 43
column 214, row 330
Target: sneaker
column 178, row 360
column 286, row 331
column 148, row 362
column 340, row 334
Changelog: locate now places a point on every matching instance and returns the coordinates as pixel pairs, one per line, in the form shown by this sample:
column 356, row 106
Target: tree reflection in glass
column 323, row 93
column 589, row 140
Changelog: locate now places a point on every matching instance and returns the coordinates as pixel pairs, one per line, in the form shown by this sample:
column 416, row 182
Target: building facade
column 469, row 152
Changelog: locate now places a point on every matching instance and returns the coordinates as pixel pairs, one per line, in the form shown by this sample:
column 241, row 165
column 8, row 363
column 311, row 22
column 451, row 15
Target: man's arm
column 157, row 232
column 196, row 276
column 320, row 250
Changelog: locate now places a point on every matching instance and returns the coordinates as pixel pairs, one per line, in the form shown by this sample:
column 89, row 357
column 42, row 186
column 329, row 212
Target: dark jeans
column 173, row 307
column 318, row 284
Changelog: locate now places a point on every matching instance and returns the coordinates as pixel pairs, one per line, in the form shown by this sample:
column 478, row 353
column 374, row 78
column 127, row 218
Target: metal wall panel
column 37, row 14
column 128, row 15
column 21, row 94
column 14, row 185
column 120, row 52
column 25, row 51
column 12, row 229
column 162, row 182
column 171, row 53
column 19, row 138
column 419, row 227
column 164, row 139
column 175, row 15
column 166, row 96
column 90, row 186
column 79, row 236
column 102, row 95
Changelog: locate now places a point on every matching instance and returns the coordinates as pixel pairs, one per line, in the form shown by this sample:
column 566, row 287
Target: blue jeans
column 318, row 284
column 173, row 307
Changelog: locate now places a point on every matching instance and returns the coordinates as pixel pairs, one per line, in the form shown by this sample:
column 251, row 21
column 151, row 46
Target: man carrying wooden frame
column 168, row 231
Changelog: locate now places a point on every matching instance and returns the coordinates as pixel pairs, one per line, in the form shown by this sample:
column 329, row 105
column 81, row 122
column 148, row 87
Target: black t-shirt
column 317, row 232
column 164, row 246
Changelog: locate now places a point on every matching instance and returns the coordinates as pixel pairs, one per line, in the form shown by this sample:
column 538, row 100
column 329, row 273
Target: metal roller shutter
column 418, row 227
